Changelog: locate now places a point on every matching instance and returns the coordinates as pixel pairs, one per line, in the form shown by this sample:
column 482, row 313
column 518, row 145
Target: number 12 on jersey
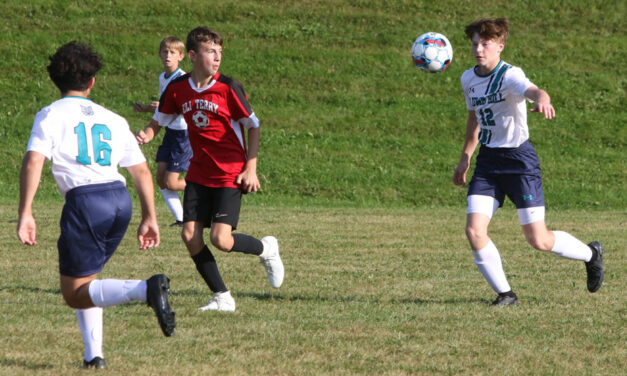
column 101, row 149
column 487, row 120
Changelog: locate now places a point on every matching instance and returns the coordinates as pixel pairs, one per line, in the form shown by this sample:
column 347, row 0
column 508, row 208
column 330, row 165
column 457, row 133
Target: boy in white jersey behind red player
column 224, row 135
column 175, row 151
column 507, row 164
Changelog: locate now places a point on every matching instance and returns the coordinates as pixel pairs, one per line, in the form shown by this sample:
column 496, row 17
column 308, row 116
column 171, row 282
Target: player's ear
column 92, row 81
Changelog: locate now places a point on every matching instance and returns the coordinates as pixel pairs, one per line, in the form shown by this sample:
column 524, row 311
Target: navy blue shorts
column 511, row 172
column 93, row 222
column 175, row 150
column 207, row 204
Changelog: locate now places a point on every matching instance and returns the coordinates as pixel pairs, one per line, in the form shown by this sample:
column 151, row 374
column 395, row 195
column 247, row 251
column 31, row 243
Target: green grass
column 367, row 291
column 357, row 154
column 346, row 118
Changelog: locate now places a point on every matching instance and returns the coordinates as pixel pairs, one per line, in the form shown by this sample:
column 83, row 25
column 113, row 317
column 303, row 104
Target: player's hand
column 27, row 230
column 459, row 176
column 148, row 234
column 138, row 107
column 544, row 108
column 141, row 137
column 248, row 181
column 153, row 105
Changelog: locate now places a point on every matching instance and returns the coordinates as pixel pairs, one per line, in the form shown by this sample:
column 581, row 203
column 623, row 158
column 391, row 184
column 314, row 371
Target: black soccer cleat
column 177, row 224
column 505, row 299
column 97, row 363
column 157, row 298
column 594, row 267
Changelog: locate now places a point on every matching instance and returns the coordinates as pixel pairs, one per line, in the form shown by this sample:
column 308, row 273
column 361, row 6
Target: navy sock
column 247, row 244
column 208, row 269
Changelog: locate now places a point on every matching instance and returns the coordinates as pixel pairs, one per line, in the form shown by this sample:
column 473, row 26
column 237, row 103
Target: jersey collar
column 493, row 70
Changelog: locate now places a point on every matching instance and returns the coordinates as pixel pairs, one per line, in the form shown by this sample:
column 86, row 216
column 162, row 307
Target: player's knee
column 475, row 234
column 222, row 242
column 162, row 183
column 71, row 299
column 539, row 242
column 187, row 235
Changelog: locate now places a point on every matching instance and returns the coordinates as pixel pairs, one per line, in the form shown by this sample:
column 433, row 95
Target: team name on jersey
column 488, row 99
column 200, row 104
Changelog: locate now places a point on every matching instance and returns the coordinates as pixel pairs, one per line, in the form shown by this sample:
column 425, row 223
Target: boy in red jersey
column 223, row 167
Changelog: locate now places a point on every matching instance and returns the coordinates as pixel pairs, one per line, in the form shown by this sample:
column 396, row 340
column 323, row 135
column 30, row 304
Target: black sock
column 208, row 269
column 247, row 244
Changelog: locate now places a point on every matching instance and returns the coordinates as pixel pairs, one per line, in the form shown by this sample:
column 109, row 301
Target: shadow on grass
column 37, row 290
column 24, row 364
column 333, row 298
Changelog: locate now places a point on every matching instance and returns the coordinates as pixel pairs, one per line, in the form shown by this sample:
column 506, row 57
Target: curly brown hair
column 487, row 28
column 73, row 66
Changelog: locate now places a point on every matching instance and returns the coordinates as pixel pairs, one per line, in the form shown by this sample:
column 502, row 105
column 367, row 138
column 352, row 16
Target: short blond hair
column 174, row 43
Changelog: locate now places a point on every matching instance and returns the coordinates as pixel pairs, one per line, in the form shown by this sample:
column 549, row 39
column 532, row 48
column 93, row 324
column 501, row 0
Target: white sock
column 570, row 247
column 90, row 322
column 110, row 292
column 488, row 260
column 173, row 202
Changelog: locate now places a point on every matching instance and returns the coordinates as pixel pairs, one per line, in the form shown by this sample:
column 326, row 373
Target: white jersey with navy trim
column 498, row 100
column 179, row 123
column 85, row 141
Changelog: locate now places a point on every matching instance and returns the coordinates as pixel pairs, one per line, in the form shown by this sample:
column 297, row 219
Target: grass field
column 357, row 154
column 367, row 291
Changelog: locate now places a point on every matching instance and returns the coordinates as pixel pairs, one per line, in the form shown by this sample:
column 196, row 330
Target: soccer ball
column 432, row 52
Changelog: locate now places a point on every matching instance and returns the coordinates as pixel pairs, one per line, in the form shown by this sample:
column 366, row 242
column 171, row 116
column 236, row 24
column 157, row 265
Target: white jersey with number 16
column 85, row 141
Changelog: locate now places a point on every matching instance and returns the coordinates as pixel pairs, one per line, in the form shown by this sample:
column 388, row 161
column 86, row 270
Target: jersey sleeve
column 239, row 107
column 464, row 81
column 41, row 137
column 167, row 111
column 517, row 81
column 132, row 154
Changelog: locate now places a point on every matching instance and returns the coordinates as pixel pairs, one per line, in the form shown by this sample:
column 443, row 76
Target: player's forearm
column 253, row 144
column 472, row 139
column 30, row 175
column 537, row 95
column 142, row 179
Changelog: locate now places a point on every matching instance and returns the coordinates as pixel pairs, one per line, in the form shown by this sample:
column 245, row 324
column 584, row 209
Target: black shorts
column 207, row 204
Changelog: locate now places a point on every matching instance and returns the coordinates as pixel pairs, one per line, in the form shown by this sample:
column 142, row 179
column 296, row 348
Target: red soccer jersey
column 216, row 135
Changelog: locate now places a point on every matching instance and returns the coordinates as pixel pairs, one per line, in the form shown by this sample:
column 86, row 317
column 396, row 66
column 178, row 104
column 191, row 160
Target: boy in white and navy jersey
column 175, row 151
column 507, row 164
column 86, row 143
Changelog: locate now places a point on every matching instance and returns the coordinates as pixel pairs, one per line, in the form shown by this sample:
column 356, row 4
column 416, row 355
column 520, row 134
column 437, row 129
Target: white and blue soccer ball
column 432, row 52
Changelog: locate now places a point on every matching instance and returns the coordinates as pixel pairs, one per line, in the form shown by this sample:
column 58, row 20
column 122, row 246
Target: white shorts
column 488, row 205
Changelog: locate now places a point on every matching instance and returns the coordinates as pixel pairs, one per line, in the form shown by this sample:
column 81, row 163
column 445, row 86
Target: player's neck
column 484, row 70
column 75, row 93
column 201, row 80
column 169, row 70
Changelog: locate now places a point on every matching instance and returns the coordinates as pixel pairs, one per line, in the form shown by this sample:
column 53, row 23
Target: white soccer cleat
column 272, row 261
column 222, row 301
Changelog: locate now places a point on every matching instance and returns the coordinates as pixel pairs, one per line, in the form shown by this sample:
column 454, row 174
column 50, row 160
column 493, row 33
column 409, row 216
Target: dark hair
column 202, row 34
column 73, row 66
column 497, row 29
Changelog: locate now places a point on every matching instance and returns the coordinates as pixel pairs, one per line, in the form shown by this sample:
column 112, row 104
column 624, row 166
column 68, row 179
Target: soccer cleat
column 272, row 261
column 594, row 267
column 505, row 299
column 222, row 301
column 157, row 298
column 177, row 224
column 97, row 363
